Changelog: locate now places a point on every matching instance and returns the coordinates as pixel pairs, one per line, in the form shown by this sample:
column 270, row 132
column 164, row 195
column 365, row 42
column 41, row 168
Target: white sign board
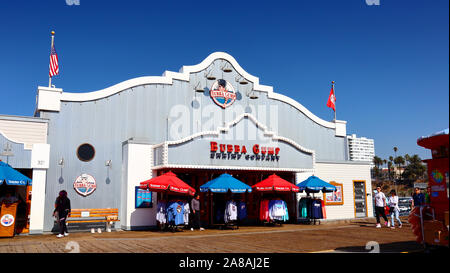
column 421, row 185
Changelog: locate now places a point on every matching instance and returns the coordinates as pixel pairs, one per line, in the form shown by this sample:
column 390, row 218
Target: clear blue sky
column 390, row 62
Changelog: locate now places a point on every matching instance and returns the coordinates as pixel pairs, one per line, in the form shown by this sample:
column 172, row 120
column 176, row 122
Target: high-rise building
column 360, row 148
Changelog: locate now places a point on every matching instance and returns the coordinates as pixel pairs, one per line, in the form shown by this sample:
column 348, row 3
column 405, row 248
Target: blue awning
column 223, row 183
column 314, row 185
column 12, row 177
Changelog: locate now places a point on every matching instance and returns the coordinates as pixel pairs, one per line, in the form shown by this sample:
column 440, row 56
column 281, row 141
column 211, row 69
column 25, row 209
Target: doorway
column 360, row 197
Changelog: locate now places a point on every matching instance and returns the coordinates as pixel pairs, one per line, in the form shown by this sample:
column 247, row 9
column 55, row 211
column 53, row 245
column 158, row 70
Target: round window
column 85, row 152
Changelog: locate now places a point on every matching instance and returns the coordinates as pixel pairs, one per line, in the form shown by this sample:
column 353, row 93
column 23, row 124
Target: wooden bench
column 107, row 216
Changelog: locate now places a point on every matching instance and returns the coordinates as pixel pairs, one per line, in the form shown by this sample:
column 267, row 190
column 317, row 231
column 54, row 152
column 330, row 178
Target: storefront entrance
column 209, row 202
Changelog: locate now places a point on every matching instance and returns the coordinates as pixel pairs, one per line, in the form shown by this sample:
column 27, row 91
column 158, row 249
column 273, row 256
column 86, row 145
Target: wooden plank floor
column 286, row 239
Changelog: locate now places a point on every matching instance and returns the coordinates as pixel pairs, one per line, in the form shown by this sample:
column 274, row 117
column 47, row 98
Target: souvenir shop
column 206, row 120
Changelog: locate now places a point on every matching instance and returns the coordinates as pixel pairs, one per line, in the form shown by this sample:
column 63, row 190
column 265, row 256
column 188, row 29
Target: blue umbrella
column 223, row 183
column 11, row 176
column 314, row 184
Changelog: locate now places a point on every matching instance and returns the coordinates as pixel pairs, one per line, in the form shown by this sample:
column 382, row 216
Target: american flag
column 54, row 68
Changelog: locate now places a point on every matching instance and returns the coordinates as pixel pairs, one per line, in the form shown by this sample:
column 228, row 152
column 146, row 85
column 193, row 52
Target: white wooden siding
column 26, row 132
column 345, row 174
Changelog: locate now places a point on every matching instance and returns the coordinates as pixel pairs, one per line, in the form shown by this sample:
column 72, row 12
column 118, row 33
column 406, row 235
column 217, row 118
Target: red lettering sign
column 213, row 146
column 256, row 149
column 237, row 148
column 244, row 150
column 229, row 148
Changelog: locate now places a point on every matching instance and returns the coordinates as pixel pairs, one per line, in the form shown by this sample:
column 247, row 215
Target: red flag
column 332, row 100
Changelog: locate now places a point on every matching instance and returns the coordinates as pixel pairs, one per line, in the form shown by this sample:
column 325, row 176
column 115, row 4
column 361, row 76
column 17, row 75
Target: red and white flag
column 53, row 67
column 332, row 100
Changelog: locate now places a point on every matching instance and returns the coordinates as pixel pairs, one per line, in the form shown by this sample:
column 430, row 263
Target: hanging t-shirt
column 286, row 213
column 324, row 213
column 242, row 210
column 175, row 213
column 316, row 209
column 304, row 207
column 161, row 212
column 278, row 209
column 231, row 211
column 186, row 213
column 264, row 210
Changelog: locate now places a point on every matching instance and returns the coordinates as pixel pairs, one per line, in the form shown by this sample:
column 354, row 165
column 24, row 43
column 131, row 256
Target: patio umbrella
column 167, row 182
column 275, row 183
column 314, row 184
column 223, row 183
column 11, row 176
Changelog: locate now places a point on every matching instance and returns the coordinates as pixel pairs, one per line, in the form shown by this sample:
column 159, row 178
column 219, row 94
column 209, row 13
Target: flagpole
column 334, row 93
column 49, row 77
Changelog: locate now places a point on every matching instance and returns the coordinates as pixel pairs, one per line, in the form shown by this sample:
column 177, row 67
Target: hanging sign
column 222, row 93
column 85, row 185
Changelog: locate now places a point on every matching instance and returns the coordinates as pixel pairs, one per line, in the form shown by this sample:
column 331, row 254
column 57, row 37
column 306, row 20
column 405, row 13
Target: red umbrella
column 275, row 183
column 167, row 182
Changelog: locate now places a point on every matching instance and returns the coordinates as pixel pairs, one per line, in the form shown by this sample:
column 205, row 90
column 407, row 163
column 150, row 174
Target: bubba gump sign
column 232, row 151
column 85, row 185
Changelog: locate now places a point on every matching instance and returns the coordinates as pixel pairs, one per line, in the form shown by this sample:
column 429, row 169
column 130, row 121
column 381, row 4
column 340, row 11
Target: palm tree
column 377, row 161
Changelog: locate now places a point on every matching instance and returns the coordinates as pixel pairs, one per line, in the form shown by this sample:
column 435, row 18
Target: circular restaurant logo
column 222, row 93
column 437, row 176
column 85, row 184
column 7, row 220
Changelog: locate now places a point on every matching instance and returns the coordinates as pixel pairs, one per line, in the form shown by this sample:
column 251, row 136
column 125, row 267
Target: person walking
column 380, row 204
column 394, row 209
column 62, row 210
column 195, row 206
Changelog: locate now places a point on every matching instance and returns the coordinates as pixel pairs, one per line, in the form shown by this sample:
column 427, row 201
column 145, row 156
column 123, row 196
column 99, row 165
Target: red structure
column 430, row 223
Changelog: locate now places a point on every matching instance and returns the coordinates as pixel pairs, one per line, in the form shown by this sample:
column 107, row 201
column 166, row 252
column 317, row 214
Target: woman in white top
column 394, row 209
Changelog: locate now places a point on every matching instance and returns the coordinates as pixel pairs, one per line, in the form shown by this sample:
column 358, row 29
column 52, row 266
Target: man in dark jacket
column 195, row 206
column 62, row 210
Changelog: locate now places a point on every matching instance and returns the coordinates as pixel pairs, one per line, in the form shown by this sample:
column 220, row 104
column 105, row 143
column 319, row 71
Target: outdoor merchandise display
column 311, row 208
column 225, row 206
column 273, row 211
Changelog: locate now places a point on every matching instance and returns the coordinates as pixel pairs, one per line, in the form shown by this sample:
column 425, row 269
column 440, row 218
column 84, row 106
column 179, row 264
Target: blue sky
column 390, row 62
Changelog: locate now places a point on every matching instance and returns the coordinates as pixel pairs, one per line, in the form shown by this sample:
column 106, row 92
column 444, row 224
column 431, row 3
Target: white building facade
column 360, row 148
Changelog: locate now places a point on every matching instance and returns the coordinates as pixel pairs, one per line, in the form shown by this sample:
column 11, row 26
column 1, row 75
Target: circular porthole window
column 86, row 152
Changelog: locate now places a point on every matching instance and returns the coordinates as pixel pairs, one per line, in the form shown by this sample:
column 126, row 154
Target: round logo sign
column 222, row 93
column 7, row 220
column 85, row 184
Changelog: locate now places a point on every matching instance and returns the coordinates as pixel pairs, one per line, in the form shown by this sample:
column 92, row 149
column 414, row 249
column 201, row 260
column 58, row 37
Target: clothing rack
column 168, row 225
column 267, row 219
column 309, row 209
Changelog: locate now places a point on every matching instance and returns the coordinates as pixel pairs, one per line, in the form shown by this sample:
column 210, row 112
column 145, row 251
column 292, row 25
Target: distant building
column 360, row 148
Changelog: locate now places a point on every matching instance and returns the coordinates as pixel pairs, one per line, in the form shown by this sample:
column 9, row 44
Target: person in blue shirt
column 418, row 198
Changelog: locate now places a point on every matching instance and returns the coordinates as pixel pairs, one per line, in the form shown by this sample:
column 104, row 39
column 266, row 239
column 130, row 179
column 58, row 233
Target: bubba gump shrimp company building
column 205, row 120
